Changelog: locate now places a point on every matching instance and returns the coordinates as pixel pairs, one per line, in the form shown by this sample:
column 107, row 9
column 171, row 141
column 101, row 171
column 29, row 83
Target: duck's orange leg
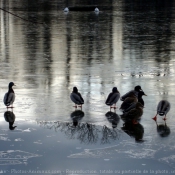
column 155, row 118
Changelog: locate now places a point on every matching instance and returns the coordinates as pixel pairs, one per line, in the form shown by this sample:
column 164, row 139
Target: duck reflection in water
column 134, row 130
column 76, row 116
column 113, row 118
column 10, row 118
column 163, row 130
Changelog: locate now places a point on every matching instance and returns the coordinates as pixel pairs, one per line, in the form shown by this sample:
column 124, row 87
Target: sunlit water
column 126, row 44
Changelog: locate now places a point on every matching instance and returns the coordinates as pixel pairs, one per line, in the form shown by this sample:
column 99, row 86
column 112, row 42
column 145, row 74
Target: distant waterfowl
column 134, row 114
column 96, row 10
column 9, row 97
column 136, row 90
column 128, row 104
column 113, row 97
column 66, row 9
column 76, row 98
column 163, row 108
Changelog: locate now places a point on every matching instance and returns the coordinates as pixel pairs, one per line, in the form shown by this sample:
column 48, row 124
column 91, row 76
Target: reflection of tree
column 113, row 118
column 108, row 133
column 134, row 130
column 85, row 132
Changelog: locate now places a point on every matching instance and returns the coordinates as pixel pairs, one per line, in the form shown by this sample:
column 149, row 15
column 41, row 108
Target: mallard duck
column 133, row 103
column 132, row 99
column 76, row 98
column 9, row 97
column 163, row 108
column 113, row 97
column 134, row 114
column 136, row 90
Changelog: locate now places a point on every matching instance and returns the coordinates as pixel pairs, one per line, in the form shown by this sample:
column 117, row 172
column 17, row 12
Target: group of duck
column 132, row 103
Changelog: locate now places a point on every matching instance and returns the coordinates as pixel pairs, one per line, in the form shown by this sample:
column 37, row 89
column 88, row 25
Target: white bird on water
column 96, row 10
column 66, row 9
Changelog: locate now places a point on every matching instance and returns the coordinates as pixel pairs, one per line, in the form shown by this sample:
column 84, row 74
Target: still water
column 47, row 52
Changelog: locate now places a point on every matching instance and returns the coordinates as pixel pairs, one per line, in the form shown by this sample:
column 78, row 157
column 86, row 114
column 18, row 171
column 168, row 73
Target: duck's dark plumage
column 136, row 90
column 76, row 97
column 113, row 97
column 163, row 108
column 9, row 97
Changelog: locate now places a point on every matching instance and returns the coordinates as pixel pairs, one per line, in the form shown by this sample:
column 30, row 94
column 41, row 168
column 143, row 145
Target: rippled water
column 126, row 44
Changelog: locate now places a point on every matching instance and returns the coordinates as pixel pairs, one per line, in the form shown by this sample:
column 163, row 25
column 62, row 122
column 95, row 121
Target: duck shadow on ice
column 9, row 117
column 113, row 118
column 76, row 116
column 163, row 130
column 134, row 130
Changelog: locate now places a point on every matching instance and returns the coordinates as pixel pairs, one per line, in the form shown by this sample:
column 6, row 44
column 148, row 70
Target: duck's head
column 140, row 94
column 11, row 84
column 75, row 89
column 114, row 89
column 138, row 88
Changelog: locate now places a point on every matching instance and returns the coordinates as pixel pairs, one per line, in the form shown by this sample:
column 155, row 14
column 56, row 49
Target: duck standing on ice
column 9, row 97
column 76, row 98
column 113, row 97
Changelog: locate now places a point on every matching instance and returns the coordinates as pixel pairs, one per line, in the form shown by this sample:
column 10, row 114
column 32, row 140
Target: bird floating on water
column 96, row 10
column 76, row 98
column 163, row 108
column 9, row 97
column 66, row 9
column 113, row 97
column 136, row 90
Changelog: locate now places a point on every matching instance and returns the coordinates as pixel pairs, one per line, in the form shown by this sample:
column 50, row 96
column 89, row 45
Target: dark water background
column 126, row 44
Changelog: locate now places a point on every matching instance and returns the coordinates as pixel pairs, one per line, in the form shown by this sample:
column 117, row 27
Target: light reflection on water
column 126, row 46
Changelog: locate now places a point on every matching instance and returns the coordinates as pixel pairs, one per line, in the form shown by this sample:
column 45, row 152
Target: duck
column 136, row 90
column 9, row 97
column 128, row 104
column 96, row 10
column 76, row 97
column 132, row 99
column 66, row 9
column 163, row 108
column 134, row 114
column 112, row 98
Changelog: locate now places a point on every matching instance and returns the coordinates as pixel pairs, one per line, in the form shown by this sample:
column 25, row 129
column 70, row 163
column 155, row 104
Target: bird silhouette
column 136, row 90
column 163, row 108
column 112, row 98
column 9, row 97
column 76, row 98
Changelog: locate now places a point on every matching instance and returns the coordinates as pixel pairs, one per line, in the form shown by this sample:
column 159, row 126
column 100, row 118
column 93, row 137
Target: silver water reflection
column 129, row 44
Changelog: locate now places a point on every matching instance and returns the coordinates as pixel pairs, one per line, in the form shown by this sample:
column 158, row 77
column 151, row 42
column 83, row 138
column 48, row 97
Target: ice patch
column 13, row 157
